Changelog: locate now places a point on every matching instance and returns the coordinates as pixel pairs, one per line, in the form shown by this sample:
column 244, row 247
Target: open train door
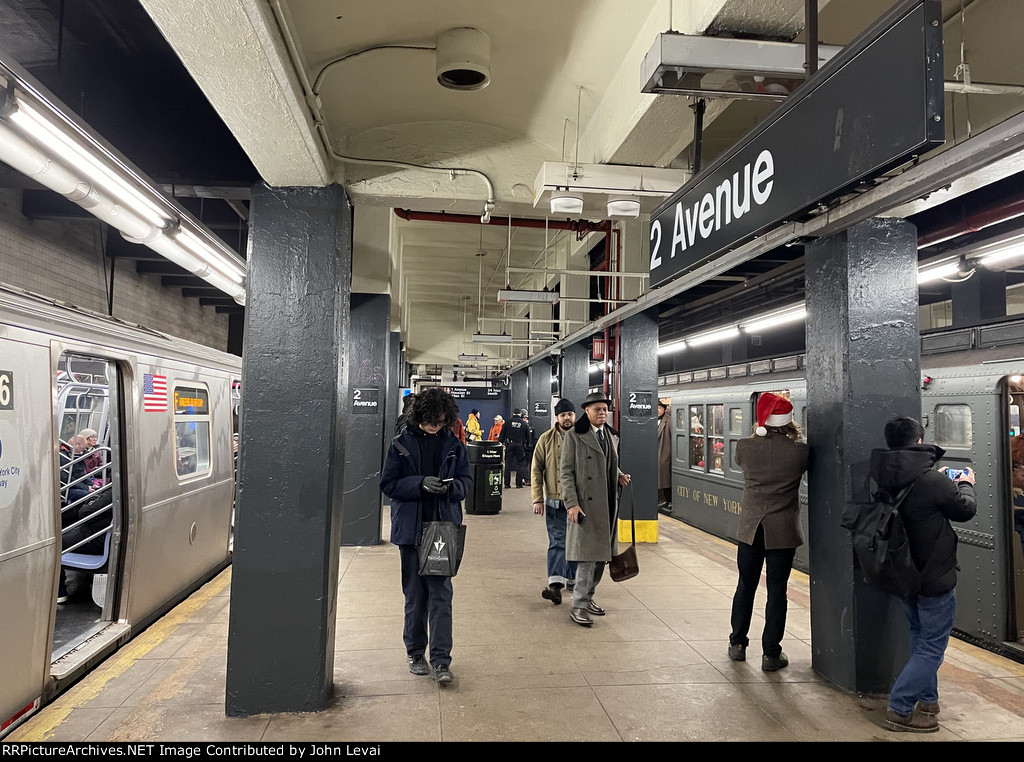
column 1012, row 393
column 88, row 423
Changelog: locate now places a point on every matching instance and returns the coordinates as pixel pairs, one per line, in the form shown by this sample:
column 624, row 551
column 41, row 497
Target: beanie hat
column 772, row 410
column 564, row 406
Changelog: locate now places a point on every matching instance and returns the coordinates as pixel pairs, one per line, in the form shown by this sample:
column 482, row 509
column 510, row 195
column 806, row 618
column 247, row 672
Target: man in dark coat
column 664, row 458
column 426, row 475
column 932, row 502
column 589, row 478
column 515, row 435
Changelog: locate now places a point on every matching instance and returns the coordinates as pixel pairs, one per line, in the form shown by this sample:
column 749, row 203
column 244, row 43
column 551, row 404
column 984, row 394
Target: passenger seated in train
column 72, row 469
column 1017, row 485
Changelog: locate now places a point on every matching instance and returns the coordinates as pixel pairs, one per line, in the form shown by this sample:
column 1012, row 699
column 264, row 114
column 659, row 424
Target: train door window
column 681, row 428
column 191, row 431
column 697, row 436
column 87, row 419
column 736, row 421
column 953, row 426
column 716, row 438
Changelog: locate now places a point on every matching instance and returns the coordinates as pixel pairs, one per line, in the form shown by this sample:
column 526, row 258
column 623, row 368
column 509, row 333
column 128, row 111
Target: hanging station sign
column 875, row 106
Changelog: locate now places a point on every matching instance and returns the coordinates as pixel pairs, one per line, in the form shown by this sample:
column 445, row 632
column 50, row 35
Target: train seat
column 89, row 561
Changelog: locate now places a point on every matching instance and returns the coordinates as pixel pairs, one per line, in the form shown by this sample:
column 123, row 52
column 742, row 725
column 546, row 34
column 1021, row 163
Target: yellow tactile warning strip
column 42, row 726
column 646, row 531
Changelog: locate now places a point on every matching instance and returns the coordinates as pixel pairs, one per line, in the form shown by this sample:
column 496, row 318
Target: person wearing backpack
column 926, row 511
column 773, row 459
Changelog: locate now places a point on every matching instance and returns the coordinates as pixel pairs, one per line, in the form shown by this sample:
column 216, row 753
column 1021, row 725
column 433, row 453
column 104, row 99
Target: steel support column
column 365, row 400
column 285, row 571
column 540, row 396
column 863, row 368
column 576, row 374
column 638, row 423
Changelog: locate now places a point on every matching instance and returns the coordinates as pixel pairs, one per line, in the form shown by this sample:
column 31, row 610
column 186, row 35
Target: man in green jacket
column 547, row 500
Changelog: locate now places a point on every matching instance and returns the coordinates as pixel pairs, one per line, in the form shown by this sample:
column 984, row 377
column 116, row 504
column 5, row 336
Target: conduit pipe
column 971, row 219
column 580, row 227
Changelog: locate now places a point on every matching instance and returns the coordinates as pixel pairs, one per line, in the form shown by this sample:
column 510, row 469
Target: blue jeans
column 931, row 621
column 560, row 571
column 428, row 603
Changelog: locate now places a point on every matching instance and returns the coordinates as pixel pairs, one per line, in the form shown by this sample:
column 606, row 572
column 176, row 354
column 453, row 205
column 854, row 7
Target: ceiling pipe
column 580, row 227
column 972, row 218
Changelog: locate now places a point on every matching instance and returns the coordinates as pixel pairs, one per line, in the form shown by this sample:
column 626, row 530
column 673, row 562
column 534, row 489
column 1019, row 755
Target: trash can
column 485, row 465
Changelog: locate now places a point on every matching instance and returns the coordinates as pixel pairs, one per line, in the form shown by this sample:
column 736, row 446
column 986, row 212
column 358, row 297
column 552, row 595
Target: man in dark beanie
column 547, row 500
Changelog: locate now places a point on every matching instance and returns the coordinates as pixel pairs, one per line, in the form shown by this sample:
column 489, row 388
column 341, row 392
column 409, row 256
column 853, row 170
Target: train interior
column 90, row 505
column 1014, row 396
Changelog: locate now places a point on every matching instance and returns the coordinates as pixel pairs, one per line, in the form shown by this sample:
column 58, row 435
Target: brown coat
column 665, row 451
column 772, row 466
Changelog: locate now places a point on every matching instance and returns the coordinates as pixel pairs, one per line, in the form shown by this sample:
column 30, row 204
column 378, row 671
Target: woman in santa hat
column 772, row 460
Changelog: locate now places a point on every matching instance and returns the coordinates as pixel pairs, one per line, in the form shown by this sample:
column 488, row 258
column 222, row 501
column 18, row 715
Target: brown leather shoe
column 915, row 722
column 928, row 710
column 581, row 617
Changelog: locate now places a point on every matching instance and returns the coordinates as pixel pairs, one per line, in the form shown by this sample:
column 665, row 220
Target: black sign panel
column 6, row 390
column 871, row 108
column 473, row 392
column 365, row 400
column 640, row 405
column 540, row 409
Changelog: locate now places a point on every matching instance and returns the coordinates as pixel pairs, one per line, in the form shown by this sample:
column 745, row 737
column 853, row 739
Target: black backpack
column 881, row 545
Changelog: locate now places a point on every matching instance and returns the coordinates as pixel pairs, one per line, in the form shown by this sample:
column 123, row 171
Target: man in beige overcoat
column 589, row 479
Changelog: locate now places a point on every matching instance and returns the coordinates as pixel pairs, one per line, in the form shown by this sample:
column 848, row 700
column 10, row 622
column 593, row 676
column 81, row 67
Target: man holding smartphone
column 933, row 500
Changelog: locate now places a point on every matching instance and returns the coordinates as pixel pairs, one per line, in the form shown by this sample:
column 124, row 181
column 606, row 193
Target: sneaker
column 418, row 665
column 911, row 723
column 927, row 709
column 553, row 593
column 442, row 674
column 774, row 663
column 737, row 652
column 581, row 617
column 594, row 609
column 62, row 591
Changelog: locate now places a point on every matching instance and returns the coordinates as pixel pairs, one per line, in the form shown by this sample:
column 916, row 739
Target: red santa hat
column 772, row 410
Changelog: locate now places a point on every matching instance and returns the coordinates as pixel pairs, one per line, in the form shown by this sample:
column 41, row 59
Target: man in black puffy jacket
column 515, row 435
column 932, row 502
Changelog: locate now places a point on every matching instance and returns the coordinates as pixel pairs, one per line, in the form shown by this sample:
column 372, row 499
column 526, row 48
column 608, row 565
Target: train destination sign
column 876, row 105
column 190, row 401
column 365, row 400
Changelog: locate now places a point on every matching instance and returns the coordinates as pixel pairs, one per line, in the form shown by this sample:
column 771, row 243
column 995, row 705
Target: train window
column 191, row 430
column 736, row 421
column 681, row 419
column 716, row 437
column 696, row 436
column 953, row 425
column 732, row 456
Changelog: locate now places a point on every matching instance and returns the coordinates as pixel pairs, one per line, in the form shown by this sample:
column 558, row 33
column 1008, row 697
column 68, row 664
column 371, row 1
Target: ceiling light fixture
column 672, row 347
column 463, row 59
column 492, row 338
column 38, row 139
column 566, row 203
column 788, row 315
column 525, row 295
column 935, row 273
column 623, row 207
column 472, row 358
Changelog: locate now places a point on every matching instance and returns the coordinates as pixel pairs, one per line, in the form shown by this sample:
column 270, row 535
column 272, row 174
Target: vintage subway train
column 972, row 397
column 117, row 484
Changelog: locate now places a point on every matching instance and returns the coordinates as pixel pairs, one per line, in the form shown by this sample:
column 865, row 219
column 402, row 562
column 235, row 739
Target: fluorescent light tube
column 934, row 273
column 492, row 338
column 672, row 347
column 1002, row 254
column 719, row 334
column 790, row 315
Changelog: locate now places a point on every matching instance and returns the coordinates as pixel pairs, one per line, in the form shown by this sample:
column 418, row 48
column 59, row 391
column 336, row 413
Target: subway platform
column 654, row 669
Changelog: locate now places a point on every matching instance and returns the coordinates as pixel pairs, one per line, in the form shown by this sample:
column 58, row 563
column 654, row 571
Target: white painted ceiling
column 257, row 61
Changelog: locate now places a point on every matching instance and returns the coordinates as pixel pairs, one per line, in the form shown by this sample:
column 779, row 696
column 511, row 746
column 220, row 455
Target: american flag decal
column 154, row 393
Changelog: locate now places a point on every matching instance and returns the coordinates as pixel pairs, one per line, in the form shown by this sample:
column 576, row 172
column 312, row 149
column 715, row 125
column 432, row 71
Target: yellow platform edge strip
column 646, row 531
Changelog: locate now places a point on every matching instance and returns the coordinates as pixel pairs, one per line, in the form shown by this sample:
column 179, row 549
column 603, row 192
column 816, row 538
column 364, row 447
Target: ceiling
column 222, row 92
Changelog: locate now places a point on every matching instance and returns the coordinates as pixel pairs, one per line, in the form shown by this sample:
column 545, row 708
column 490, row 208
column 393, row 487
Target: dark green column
column 519, row 392
column 284, row 576
column 366, row 430
column 575, row 368
column 539, row 408
column 863, row 368
column 638, row 421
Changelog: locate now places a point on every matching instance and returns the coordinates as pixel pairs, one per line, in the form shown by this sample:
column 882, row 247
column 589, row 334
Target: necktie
column 600, row 438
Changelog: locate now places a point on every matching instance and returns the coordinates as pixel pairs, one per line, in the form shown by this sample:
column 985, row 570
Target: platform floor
column 654, row 669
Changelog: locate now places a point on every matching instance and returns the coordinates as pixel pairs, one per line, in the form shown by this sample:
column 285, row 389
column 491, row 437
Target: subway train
column 972, row 398
column 117, row 483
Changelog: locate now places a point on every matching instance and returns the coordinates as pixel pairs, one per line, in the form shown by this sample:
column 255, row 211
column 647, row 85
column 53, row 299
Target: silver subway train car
column 972, row 398
column 116, row 486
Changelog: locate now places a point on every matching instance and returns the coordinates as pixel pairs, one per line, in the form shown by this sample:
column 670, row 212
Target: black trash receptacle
column 485, row 465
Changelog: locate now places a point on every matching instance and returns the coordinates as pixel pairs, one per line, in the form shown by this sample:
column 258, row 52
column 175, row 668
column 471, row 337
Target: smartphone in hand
column 954, row 473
